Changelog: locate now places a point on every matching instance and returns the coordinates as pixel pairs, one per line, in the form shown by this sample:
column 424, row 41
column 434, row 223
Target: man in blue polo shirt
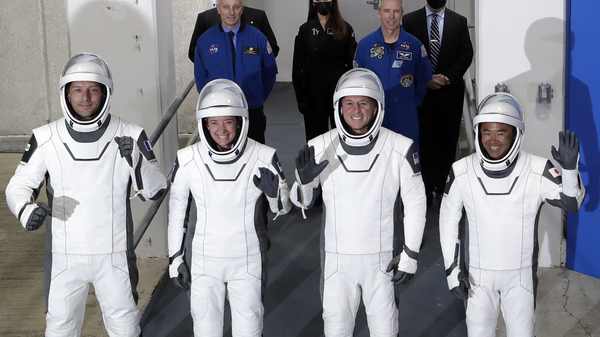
column 400, row 60
column 241, row 53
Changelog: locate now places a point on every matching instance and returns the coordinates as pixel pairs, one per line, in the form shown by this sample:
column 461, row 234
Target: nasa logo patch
column 213, row 49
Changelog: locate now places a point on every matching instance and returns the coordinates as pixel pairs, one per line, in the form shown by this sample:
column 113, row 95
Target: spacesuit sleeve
column 178, row 203
column 23, row 188
column 412, row 192
column 149, row 182
column 281, row 204
column 566, row 191
column 450, row 216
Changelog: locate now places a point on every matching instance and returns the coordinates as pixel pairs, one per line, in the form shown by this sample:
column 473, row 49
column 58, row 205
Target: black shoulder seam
column 29, row 149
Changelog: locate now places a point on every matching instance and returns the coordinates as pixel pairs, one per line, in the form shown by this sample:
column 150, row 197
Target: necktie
column 434, row 44
column 231, row 34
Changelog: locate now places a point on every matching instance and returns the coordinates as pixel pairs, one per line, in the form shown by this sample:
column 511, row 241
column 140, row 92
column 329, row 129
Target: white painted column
column 135, row 37
column 521, row 43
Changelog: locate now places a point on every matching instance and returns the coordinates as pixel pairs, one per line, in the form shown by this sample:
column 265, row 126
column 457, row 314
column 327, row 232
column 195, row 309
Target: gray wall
column 33, row 50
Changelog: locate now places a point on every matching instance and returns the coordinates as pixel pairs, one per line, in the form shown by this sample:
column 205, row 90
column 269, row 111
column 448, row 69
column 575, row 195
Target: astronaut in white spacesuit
column 232, row 180
column 89, row 159
column 363, row 171
column 502, row 188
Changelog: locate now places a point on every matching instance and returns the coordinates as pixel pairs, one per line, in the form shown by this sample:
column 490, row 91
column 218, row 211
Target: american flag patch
column 415, row 158
column 269, row 49
column 423, row 51
column 147, row 145
column 554, row 172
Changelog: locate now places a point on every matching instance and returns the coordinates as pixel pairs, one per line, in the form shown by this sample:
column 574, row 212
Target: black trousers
column 440, row 115
column 257, row 124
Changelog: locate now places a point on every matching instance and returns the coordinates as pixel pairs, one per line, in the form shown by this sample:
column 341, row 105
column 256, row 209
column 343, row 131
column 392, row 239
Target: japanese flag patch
column 554, row 172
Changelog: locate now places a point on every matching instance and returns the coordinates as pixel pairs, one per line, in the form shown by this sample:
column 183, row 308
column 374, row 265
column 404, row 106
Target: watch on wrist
column 447, row 80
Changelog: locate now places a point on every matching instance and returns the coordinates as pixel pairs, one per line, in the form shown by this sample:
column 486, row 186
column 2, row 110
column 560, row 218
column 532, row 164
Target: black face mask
column 323, row 8
column 435, row 4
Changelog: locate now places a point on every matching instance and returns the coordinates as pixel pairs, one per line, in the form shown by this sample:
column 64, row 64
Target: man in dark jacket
column 251, row 16
column 450, row 51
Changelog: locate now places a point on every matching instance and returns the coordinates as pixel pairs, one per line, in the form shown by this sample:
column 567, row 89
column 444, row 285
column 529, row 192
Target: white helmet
column 504, row 108
column 86, row 67
column 359, row 82
column 222, row 97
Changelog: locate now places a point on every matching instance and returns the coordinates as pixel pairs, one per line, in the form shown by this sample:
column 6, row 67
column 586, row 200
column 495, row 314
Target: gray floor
column 568, row 302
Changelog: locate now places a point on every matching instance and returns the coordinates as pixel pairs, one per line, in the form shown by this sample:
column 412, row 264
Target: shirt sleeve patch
column 423, row 52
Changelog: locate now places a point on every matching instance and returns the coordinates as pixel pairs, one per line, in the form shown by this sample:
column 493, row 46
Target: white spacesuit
column 229, row 244
column 362, row 177
column 89, row 166
column 502, row 198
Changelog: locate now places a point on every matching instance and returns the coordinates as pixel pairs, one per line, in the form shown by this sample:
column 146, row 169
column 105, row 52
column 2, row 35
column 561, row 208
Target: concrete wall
column 33, row 50
column 522, row 43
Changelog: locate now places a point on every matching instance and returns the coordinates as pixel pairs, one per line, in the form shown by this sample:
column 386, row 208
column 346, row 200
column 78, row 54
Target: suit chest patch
column 377, row 51
column 404, row 55
column 251, row 51
column 406, row 80
column 213, row 49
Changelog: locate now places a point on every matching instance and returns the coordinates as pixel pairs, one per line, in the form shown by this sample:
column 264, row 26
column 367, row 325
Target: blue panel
column 583, row 116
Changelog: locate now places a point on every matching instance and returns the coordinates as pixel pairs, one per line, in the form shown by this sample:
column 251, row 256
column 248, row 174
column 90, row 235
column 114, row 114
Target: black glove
column 306, row 166
column 37, row 217
column 125, row 148
column 182, row 281
column 462, row 290
column 268, row 182
column 568, row 150
column 400, row 277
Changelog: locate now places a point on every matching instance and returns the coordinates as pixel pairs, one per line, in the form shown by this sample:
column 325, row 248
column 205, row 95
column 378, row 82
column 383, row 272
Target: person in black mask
column 450, row 51
column 323, row 51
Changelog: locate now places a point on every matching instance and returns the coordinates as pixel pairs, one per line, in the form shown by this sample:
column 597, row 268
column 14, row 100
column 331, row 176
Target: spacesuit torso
column 360, row 191
column 88, row 186
column 229, row 221
column 501, row 212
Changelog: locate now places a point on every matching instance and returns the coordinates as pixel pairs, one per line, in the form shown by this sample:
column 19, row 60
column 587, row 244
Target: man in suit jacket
column 441, row 110
column 251, row 16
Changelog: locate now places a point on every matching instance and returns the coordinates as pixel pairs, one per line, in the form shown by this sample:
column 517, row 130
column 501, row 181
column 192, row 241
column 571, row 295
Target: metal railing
column 141, row 230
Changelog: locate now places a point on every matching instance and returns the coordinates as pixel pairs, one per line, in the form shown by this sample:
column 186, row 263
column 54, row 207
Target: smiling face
column 358, row 112
column 230, row 12
column 390, row 12
column 85, row 98
column 496, row 139
column 222, row 130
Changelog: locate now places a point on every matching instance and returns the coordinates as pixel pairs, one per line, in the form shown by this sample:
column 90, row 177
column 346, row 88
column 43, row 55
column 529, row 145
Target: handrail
column 470, row 111
column 170, row 113
column 141, row 230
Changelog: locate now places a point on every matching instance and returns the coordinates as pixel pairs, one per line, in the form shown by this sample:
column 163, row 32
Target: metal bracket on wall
column 375, row 3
